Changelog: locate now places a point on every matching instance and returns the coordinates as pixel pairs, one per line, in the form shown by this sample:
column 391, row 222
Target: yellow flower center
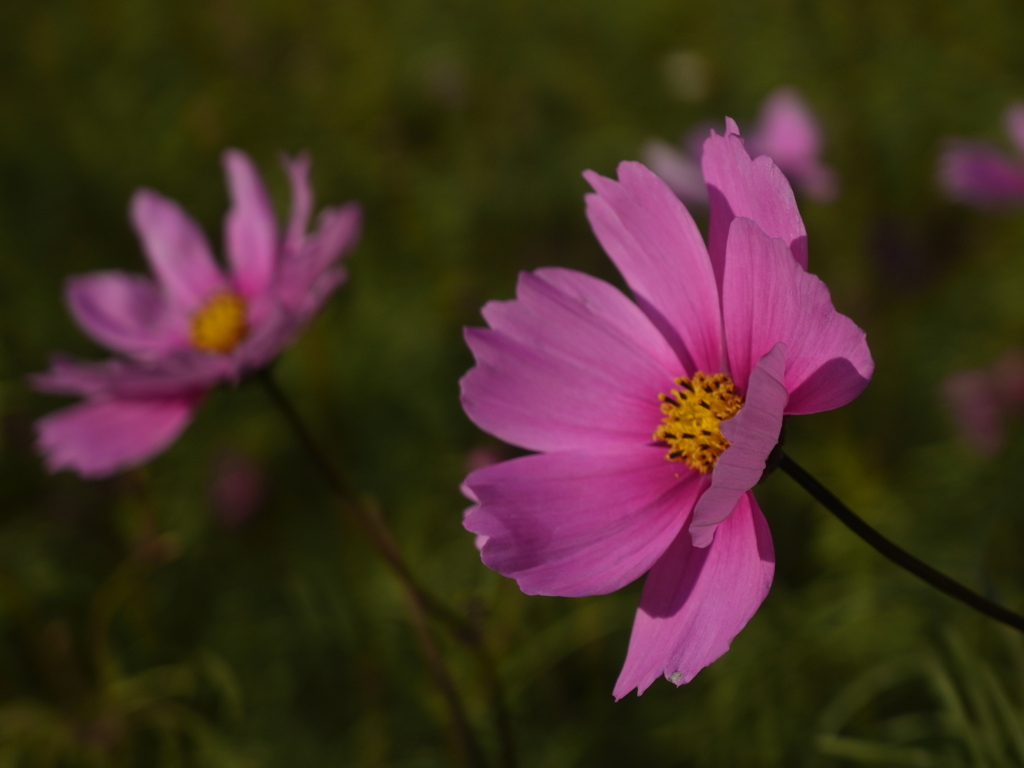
column 691, row 418
column 220, row 323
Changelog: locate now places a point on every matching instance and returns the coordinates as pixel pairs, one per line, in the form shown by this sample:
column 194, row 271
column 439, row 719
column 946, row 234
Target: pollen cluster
column 691, row 417
column 220, row 323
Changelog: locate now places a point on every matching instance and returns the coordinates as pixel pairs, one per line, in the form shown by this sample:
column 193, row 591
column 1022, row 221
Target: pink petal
column 297, row 169
column 658, row 249
column 1014, row 120
column 768, row 298
column 320, row 291
column 479, row 540
column 695, row 601
column 96, row 439
column 753, row 189
column 176, row 249
column 276, row 331
column 126, row 313
column 172, row 377
column 681, row 173
column 570, row 364
column 530, row 399
column 606, row 327
column 979, row 174
column 250, row 229
column 577, row 524
column 280, row 324
column 753, row 434
column 337, row 231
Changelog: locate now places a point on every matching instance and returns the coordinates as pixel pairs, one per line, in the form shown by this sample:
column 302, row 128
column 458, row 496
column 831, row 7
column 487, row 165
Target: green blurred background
column 141, row 626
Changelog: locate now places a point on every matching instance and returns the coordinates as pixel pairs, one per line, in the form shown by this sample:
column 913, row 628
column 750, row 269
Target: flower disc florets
column 692, row 414
column 220, row 324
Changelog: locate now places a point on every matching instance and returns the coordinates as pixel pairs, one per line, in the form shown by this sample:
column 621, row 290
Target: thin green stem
column 464, row 737
column 363, row 512
column 895, row 553
column 367, row 516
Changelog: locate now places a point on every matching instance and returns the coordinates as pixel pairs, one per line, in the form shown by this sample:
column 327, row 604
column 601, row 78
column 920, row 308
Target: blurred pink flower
column 483, row 456
column 786, row 131
column 982, row 399
column 194, row 325
column 979, row 173
column 652, row 421
column 679, row 168
column 238, row 489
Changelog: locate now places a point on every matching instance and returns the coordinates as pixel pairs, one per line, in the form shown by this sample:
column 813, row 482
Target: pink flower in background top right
column 980, row 174
column 786, row 131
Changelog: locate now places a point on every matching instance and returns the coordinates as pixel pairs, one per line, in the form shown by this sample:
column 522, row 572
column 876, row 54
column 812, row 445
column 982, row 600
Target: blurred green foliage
column 139, row 627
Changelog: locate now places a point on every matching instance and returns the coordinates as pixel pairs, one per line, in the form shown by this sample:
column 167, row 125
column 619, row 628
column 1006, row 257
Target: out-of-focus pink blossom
column 193, row 324
column 483, row 456
column 678, row 168
column 237, row 490
column 980, row 174
column 652, row 420
column 786, row 130
column 981, row 400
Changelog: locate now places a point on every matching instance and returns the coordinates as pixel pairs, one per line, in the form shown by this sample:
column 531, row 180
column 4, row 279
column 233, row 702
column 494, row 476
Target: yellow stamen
column 692, row 415
column 220, row 323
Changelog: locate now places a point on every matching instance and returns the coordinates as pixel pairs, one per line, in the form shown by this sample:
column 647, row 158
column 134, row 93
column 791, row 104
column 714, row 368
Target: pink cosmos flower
column 786, row 130
column 979, row 174
column 194, row 325
column 653, row 420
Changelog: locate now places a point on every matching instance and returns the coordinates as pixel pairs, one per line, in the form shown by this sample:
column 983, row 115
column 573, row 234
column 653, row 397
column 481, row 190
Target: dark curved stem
column 463, row 731
column 365, row 513
column 897, row 554
column 420, row 602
